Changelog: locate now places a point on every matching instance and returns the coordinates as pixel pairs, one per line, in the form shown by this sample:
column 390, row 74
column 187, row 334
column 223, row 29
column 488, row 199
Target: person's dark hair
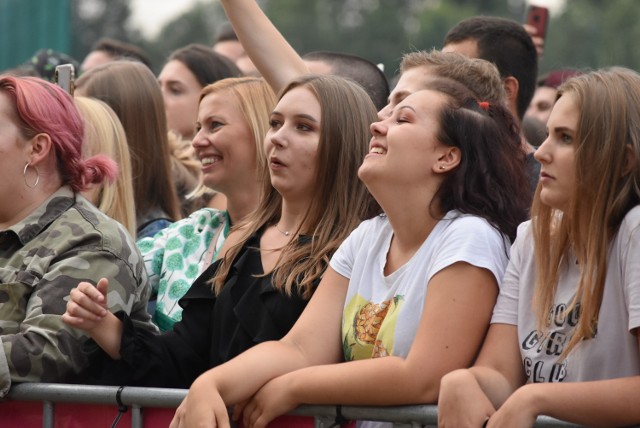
column 121, row 50
column 43, row 63
column 358, row 69
column 491, row 180
column 225, row 32
column 207, row 65
column 505, row 43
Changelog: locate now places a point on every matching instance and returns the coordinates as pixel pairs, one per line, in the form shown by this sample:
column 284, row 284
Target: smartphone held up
column 65, row 77
column 538, row 18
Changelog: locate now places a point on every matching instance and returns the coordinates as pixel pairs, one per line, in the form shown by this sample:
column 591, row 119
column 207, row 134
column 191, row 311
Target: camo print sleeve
column 63, row 242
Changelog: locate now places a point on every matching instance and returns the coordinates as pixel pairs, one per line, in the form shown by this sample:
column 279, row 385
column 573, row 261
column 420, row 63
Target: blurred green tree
column 93, row 19
column 588, row 33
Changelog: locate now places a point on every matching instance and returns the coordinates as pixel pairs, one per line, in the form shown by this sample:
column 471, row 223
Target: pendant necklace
column 285, row 233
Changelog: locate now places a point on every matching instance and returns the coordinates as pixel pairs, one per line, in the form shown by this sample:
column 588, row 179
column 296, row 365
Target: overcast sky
column 150, row 15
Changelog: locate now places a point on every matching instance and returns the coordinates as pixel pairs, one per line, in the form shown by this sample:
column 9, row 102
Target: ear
column 511, row 87
column 39, row 148
column 448, row 160
column 631, row 160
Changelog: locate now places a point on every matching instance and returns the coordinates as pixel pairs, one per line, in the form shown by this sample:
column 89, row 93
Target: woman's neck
column 30, row 201
column 241, row 204
column 412, row 216
column 291, row 216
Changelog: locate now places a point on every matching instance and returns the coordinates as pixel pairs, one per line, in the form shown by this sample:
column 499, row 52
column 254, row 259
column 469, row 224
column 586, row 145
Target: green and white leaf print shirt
column 177, row 255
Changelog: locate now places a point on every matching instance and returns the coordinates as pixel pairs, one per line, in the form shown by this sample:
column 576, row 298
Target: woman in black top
column 271, row 262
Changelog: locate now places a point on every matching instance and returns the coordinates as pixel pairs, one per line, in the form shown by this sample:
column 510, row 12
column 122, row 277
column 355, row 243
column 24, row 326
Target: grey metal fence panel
column 138, row 398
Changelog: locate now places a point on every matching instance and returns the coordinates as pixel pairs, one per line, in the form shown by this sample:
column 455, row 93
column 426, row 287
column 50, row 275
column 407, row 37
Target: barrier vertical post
column 136, row 417
column 48, row 414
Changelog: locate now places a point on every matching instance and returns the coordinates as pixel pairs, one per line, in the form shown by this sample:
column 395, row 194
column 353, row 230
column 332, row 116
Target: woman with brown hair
column 564, row 335
column 132, row 91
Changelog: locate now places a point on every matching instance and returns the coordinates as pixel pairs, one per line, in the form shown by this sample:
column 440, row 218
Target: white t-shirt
column 613, row 352
column 382, row 313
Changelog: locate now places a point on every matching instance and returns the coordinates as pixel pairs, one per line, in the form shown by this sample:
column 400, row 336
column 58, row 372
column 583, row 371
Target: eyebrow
column 210, row 118
column 402, row 94
column 562, row 129
column 297, row 116
column 170, row 81
column 407, row 107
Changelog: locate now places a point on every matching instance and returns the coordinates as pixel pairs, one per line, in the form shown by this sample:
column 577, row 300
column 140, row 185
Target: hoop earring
column 24, row 174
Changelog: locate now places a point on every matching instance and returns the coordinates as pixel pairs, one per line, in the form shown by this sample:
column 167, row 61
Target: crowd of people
column 269, row 229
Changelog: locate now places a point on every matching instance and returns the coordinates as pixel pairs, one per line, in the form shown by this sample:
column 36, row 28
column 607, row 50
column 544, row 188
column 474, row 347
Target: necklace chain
column 285, row 233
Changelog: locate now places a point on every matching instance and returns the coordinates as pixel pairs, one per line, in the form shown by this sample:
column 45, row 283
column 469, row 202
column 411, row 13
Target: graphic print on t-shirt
column 541, row 350
column 369, row 328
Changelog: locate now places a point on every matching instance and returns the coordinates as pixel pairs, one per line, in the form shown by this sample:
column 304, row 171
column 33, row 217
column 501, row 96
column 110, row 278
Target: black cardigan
column 213, row 330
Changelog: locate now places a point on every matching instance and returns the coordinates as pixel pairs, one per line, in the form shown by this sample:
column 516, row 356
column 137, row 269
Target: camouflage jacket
column 64, row 241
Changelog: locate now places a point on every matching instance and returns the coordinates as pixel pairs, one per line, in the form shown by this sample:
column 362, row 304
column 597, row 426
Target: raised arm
column 313, row 340
column 456, row 314
column 272, row 55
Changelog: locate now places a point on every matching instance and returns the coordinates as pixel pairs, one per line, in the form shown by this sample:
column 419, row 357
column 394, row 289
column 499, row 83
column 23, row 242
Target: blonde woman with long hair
column 564, row 340
column 105, row 135
column 232, row 121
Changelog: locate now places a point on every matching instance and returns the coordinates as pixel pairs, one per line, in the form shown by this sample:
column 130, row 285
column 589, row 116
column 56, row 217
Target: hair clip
column 484, row 105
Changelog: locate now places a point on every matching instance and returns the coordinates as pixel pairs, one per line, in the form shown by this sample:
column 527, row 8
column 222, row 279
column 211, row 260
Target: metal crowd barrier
column 136, row 399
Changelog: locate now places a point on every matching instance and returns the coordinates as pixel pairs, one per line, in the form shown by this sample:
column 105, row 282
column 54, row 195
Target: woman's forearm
column 108, row 335
column 613, row 402
column 239, row 378
column 376, row 381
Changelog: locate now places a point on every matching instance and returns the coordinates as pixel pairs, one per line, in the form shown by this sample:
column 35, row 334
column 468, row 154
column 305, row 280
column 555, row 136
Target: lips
column 276, row 162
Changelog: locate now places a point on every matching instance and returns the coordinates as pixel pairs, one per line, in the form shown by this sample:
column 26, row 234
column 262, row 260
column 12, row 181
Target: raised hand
column 87, row 305
column 87, row 310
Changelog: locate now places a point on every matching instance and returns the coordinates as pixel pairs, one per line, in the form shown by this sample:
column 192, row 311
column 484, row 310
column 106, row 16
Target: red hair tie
column 484, row 105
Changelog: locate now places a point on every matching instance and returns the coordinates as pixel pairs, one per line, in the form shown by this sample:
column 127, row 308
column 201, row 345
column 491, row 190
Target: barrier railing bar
column 139, row 397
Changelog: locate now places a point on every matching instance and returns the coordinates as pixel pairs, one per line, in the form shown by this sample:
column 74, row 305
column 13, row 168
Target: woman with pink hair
column 51, row 237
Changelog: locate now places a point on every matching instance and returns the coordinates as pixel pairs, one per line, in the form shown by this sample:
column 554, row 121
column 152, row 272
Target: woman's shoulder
column 199, row 222
column 375, row 223
column 370, row 228
column 457, row 221
column 84, row 227
column 87, row 216
column 631, row 221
